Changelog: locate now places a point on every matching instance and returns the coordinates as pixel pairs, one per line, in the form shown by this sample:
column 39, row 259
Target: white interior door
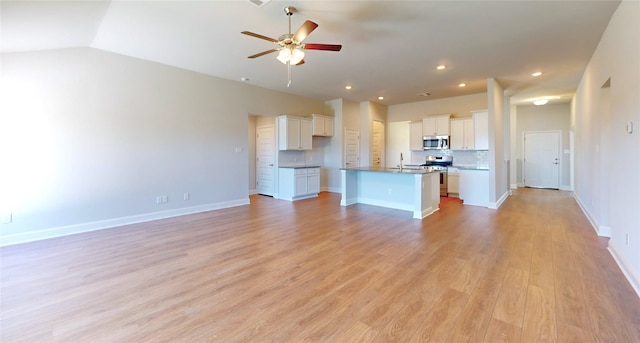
column 265, row 160
column 542, row 159
column 376, row 142
column 351, row 148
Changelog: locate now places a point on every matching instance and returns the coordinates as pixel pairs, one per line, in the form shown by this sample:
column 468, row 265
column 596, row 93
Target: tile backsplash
column 462, row 158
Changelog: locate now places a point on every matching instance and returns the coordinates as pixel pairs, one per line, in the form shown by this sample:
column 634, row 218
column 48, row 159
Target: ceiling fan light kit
column 290, row 47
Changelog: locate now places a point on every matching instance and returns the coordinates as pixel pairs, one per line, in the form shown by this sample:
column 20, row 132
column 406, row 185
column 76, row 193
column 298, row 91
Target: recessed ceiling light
column 462, row 85
column 380, row 98
column 540, row 102
column 441, row 67
column 347, row 87
column 538, row 73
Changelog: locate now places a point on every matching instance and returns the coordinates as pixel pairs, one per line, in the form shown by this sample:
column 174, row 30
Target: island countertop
column 392, row 170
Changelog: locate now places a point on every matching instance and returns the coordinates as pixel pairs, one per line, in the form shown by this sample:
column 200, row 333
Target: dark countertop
column 297, row 167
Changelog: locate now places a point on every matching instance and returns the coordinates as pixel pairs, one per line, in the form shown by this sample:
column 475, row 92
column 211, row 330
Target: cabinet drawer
column 313, row 171
column 301, row 171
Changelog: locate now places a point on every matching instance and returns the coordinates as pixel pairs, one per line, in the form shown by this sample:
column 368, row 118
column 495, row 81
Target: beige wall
column 610, row 192
column 459, row 107
column 544, row 118
column 97, row 136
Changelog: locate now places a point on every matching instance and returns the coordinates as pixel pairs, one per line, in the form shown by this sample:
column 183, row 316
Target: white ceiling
column 390, row 48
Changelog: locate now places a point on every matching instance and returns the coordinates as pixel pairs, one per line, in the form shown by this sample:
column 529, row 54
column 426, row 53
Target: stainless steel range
column 440, row 163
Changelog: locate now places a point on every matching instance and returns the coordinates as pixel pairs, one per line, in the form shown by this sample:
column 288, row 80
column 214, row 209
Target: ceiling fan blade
column 263, row 53
column 304, row 31
column 329, row 47
column 248, row 33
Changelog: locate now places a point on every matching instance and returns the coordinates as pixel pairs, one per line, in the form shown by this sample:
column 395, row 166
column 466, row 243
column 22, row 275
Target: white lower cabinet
column 298, row 183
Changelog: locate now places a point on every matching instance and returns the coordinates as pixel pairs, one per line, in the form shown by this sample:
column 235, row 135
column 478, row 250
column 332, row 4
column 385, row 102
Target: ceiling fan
column 289, row 46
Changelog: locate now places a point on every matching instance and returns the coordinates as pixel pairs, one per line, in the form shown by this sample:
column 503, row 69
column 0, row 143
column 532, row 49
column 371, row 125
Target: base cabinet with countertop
column 295, row 183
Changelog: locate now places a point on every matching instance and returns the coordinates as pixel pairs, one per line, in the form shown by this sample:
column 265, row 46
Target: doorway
column 351, row 148
column 542, row 159
column 265, row 160
column 377, row 143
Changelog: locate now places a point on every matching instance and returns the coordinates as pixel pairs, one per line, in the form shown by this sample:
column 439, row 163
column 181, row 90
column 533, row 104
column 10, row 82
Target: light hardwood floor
column 312, row 271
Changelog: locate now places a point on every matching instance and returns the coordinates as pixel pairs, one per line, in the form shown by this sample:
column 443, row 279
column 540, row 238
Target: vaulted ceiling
column 390, row 48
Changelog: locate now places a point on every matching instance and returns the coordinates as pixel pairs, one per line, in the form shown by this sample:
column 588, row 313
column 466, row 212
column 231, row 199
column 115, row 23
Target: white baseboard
column 253, row 191
column 514, row 186
column 634, row 279
column 114, row 222
column 333, row 189
column 497, row 204
column 603, row 231
column 565, row 188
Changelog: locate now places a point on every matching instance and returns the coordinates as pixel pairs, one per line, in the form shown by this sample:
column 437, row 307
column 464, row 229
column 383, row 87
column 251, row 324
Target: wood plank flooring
column 312, row 271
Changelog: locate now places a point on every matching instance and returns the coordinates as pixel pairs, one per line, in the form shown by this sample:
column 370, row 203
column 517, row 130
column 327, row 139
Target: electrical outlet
column 159, row 199
column 186, row 196
column 165, row 198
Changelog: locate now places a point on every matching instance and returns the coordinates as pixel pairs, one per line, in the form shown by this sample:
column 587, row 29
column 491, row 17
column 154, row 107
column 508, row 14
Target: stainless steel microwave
column 435, row 142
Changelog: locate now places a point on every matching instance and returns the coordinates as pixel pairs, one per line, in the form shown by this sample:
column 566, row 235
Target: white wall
column 498, row 143
column 459, row 107
column 544, row 118
column 91, row 138
column 615, row 59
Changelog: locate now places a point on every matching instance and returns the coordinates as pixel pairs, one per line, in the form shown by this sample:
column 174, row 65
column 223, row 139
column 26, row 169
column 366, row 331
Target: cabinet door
column 457, row 134
column 305, row 134
column 429, row 127
column 468, row 134
column 328, row 127
column 453, row 183
column 313, row 181
column 318, row 126
column 442, row 126
column 415, row 136
column 300, row 187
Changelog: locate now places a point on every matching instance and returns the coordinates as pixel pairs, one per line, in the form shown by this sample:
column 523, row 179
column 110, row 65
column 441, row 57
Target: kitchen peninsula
column 415, row 190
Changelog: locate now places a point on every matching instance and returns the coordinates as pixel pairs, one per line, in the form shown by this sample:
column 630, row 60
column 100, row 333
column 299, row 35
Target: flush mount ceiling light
column 536, row 74
column 441, row 67
column 540, row 102
column 380, row 98
column 347, row 87
column 462, row 84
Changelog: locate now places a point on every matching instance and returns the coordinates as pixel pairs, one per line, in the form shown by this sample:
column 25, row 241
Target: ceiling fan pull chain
column 289, row 73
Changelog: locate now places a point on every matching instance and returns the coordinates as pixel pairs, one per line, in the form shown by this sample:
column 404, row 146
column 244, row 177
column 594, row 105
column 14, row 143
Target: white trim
column 514, row 186
column 114, row 222
column 627, row 269
column 565, row 188
column 603, row 231
column 497, row 204
column 253, row 191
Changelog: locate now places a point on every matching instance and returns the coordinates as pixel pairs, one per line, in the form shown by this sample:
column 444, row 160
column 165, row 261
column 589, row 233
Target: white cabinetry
column 474, row 187
column 462, row 134
column 298, row 183
column 481, row 129
column 453, row 182
column 415, row 135
column 322, row 125
column 436, row 125
column 294, row 133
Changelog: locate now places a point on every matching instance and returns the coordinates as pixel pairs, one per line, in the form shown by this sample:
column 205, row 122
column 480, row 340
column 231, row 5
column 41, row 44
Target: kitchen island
column 415, row 190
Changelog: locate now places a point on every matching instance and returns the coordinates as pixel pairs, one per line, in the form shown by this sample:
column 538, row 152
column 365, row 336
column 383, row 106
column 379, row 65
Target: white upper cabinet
column 415, row 135
column 436, row 125
column 294, row 133
column 481, row 129
column 322, row 125
column 462, row 134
